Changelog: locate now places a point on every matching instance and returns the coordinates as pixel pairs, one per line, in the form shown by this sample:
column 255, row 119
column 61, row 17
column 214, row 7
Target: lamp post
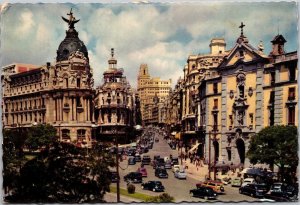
column 115, row 133
column 209, row 150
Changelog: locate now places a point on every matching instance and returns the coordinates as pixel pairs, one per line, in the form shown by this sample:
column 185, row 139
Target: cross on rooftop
column 242, row 26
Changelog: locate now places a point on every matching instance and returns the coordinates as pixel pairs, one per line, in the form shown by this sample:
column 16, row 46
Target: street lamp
column 209, row 149
column 115, row 133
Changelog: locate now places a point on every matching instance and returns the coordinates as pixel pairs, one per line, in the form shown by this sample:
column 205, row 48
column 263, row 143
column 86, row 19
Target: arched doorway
column 216, row 148
column 200, row 151
column 240, row 145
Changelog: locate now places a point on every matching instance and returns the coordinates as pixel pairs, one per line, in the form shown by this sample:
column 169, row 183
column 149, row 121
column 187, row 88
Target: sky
column 161, row 35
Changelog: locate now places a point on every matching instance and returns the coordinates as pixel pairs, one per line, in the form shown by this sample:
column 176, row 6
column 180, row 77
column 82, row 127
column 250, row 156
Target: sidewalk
column 199, row 173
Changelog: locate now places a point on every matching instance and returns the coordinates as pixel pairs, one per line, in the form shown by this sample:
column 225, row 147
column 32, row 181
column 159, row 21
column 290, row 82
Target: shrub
column 130, row 188
column 163, row 198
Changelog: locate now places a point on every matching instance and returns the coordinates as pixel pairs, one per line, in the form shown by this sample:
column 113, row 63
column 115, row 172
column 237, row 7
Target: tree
column 40, row 135
column 64, row 173
column 275, row 145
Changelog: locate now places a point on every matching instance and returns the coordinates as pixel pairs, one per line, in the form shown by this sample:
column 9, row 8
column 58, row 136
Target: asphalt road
column 179, row 189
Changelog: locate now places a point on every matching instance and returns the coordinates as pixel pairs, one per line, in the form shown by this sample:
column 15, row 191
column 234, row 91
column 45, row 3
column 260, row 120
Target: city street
column 179, row 189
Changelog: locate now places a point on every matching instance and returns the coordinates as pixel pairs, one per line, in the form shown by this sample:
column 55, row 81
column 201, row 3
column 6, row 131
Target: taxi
column 217, row 186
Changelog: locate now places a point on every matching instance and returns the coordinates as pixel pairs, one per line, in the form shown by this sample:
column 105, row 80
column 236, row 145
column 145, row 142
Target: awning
column 178, row 135
column 194, row 147
column 173, row 133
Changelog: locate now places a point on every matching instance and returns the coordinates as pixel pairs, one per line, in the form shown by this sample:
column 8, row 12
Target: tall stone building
column 151, row 92
column 115, row 104
column 60, row 93
column 198, row 68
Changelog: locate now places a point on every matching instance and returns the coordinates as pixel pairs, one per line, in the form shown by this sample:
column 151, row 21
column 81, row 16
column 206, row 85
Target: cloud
column 161, row 35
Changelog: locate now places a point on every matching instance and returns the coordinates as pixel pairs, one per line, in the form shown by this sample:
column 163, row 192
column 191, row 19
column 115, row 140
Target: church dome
column 71, row 43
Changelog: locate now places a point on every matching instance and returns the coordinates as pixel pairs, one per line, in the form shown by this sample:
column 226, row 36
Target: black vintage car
column 161, row 173
column 133, row 177
column 153, row 186
column 174, row 161
column 283, row 190
column 204, row 192
column 254, row 190
column 131, row 161
column 146, row 160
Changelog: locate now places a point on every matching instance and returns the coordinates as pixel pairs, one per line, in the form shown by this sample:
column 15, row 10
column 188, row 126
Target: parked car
column 131, row 161
column 168, row 164
column 156, row 157
column 180, row 174
column 156, row 139
column 153, row 186
column 216, row 186
column 204, row 192
column 143, row 171
column 137, row 158
column 254, row 190
column 134, row 177
column 284, row 190
column 175, row 168
column 146, row 160
column 161, row 173
column 237, row 182
column 174, row 161
column 248, row 181
column 113, row 176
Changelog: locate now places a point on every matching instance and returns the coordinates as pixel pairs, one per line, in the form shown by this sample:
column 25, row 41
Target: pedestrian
column 185, row 157
column 191, row 159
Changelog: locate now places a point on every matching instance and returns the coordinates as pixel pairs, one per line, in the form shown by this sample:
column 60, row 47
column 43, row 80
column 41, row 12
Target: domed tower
column 71, row 43
column 72, row 92
column 115, row 104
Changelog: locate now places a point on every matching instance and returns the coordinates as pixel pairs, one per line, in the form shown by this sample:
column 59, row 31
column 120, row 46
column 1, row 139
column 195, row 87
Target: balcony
column 80, row 109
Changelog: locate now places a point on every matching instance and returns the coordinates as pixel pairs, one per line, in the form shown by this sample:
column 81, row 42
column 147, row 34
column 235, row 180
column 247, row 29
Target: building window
column 292, row 71
column 215, row 104
column 229, row 154
column 81, row 134
column 65, row 134
column 215, row 88
column 78, row 103
column 291, row 93
column 273, row 76
column 67, row 82
column 291, row 115
column 241, row 91
column 78, row 82
column 241, row 53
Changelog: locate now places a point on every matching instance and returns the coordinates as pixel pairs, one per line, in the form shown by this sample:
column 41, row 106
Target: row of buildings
column 63, row 95
column 152, row 92
column 226, row 96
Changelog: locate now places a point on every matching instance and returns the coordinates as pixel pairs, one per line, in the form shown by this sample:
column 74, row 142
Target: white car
column 176, row 167
column 180, row 174
column 248, row 181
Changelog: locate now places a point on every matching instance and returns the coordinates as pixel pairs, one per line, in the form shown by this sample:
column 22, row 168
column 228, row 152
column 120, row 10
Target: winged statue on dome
column 71, row 21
